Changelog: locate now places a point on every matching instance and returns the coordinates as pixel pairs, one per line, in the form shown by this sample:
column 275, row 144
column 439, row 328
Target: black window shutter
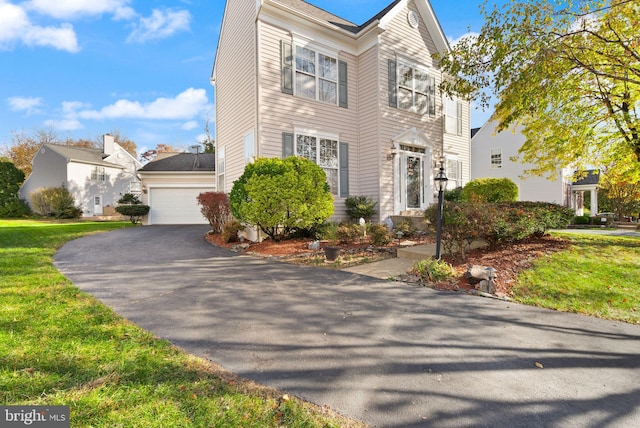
column 342, row 84
column 286, row 55
column 393, row 84
column 344, row 170
column 459, row 117
column 287, row 145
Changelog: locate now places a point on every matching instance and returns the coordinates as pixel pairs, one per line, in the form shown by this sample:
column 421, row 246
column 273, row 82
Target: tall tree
column 149, row 155
column 567, row 72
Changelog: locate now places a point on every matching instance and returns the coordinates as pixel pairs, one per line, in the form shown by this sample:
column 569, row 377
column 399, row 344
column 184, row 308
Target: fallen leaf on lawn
column 285, row 397
column 539, row 365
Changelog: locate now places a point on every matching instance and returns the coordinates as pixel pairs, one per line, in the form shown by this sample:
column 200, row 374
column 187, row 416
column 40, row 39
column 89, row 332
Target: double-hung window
column 322, row 151
column 98, row 173
column 316, row 75
column 453, row 117
column 411, row 88
column 496, row 158
column 454, row 172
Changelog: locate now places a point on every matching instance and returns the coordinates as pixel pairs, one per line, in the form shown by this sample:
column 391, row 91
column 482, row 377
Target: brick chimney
column 107, row 144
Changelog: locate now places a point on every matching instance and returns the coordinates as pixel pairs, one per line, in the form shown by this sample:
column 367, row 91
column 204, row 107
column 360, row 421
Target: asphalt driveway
column 386, row 353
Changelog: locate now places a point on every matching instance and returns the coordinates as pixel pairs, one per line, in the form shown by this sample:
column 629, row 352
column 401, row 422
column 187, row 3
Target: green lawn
column 60, row 346
column 598, row 275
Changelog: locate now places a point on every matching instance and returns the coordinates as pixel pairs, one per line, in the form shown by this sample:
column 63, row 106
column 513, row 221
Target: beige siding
column 235, row 84
column 370, row 145
column 280, row 112
column 415, row 44
column 461, row 144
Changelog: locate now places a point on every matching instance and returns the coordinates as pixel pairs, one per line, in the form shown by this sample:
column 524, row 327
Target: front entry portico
column 412, row 172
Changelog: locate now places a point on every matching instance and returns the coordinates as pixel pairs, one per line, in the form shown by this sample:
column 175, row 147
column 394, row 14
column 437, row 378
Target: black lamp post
column 441, row 183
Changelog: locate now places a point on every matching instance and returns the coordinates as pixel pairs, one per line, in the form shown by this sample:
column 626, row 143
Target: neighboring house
column 491, row 155
column 359, row 100
column 96, row 178
column 171, row 184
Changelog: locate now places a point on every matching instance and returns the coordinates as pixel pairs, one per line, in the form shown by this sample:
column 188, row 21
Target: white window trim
column 451, row 179
column 319, row 136
column 457, row 105
column 402, row 60
column 319, row 50
column 498, row 151
column 249, row 147
column 220, row 167
column 98, row 173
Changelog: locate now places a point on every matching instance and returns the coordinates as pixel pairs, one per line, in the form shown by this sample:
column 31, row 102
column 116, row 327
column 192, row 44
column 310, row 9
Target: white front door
column 97, row 205
column 412, row 180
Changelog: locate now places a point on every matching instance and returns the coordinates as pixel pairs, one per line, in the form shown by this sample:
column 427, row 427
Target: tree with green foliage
column 360, row 207
column 56, row 202
column 282, row 196
column 567, row 72
column 490, row 190
column 10, row 180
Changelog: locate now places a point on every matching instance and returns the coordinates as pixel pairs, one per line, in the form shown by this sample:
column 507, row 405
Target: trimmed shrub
column 348, row 233
column 14, row 208
column 432, row 270
column 215, row 207
column 581, row 219
column 380, row 235
column 282, row 196
column 464, row 222
column 490, row 190
column 129, row 199
column 135, row 212
column 360, row 207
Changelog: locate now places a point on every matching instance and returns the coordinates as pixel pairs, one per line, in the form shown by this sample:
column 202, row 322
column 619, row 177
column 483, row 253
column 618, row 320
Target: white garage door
column 176, row 205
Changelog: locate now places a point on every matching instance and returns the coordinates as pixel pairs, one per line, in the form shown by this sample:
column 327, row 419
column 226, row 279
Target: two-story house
column 359, row 100
column 96, row 178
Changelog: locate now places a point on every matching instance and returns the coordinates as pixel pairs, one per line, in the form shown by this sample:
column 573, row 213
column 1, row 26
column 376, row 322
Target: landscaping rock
column 477, row 273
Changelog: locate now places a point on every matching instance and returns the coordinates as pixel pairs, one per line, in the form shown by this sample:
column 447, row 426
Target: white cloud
column 161, row 24
column 70, row 9
column 184, row 106
column 29, row 105
column 471, row 35
column 15, row 26
column 64, row 124
column 188, row 126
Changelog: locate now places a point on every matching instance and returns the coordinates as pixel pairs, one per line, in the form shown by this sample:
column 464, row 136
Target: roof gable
column 80, row 154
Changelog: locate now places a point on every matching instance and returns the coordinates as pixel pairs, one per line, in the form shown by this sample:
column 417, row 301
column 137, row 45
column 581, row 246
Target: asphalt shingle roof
column 80, row 154
column 183, row 162
column 316, row 12
column 592, row 177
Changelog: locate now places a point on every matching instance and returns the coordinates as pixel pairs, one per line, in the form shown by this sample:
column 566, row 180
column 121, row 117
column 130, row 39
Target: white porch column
column 594, row 202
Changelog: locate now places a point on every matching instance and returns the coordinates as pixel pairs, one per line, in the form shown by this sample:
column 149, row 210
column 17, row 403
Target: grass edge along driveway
column 60, row 346
column 598, row 275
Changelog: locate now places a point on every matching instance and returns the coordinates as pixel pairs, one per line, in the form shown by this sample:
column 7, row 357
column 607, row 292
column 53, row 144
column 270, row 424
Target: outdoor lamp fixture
column 441, row 184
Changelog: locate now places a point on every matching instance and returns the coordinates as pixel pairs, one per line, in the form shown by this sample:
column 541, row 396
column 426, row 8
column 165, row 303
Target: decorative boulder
column 483, row 277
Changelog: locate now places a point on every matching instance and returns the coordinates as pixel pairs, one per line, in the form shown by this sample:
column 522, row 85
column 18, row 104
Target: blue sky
column 87, row 67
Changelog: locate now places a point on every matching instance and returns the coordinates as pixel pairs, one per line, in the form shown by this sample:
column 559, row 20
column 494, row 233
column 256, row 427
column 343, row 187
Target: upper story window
column 411, row 88
column 453, row 116
column 496, row 158
column 98, row 173
column 316, row 75
column 309, row 73
column 323, row 152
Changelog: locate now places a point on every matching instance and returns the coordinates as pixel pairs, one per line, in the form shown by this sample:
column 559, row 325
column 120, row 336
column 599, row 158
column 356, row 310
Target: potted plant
column 331, row 248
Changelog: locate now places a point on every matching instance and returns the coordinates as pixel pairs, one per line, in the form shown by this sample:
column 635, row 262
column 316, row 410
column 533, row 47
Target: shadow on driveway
column 387, row 353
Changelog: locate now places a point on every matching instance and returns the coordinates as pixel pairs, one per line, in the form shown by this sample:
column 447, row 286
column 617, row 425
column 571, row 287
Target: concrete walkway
column 383, row 352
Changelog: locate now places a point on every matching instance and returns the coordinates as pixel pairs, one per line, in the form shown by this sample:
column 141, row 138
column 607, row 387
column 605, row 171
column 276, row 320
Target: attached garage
column 175, row 205
column 171, row 185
